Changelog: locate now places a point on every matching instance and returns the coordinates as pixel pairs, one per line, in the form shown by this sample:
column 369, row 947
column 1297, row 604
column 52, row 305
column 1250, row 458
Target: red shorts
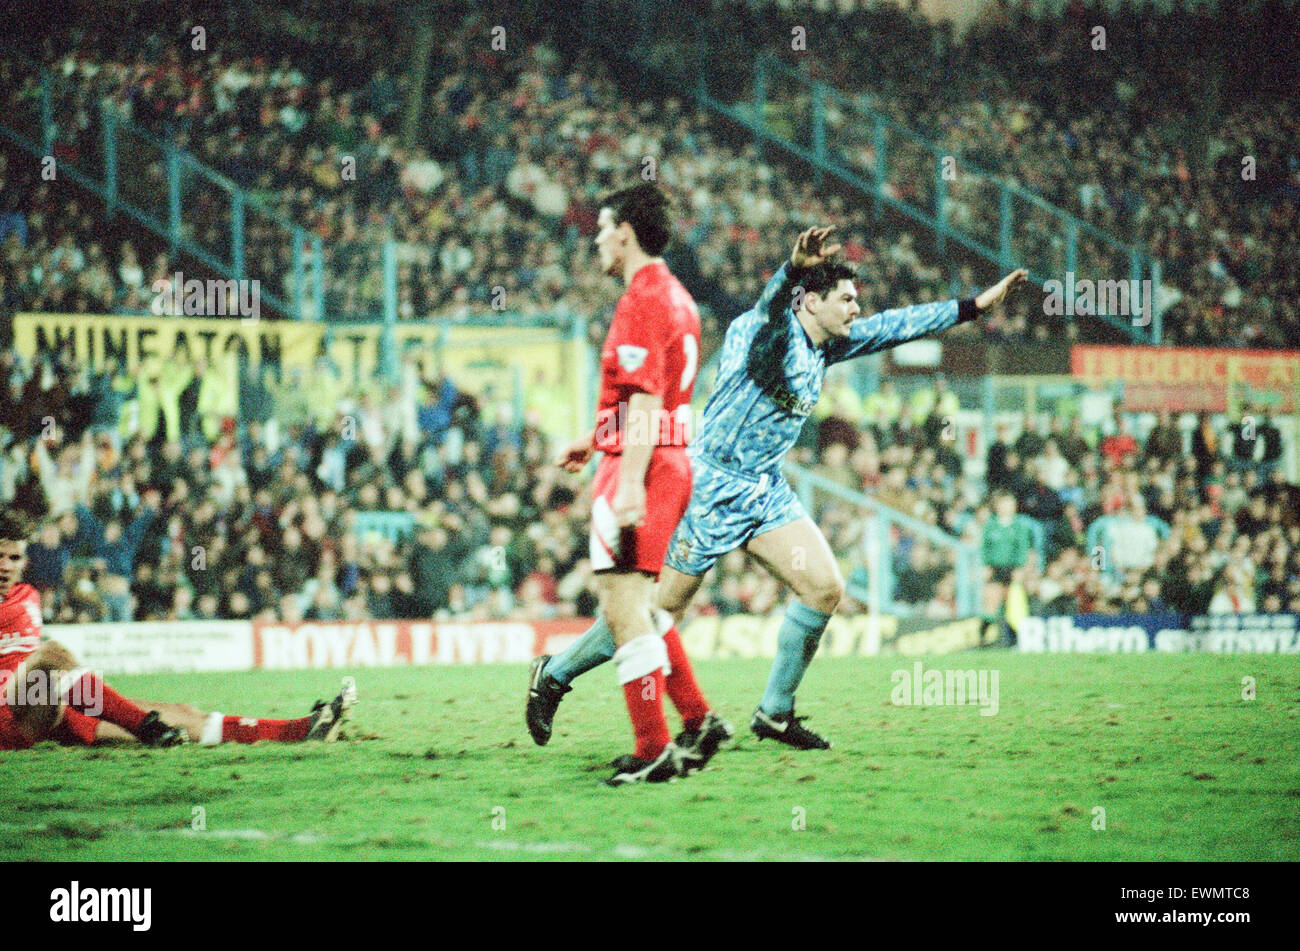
column 643, row 547
column 74, row 729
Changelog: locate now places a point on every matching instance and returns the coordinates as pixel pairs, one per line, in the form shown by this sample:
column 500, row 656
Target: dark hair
column 645, row 207
column 766, row 361
column 823, row 277
column 13, row 526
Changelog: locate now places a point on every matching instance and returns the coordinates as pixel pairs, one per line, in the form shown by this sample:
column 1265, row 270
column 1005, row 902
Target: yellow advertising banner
column 537, row 368
column 134, row 341
column 546, row 370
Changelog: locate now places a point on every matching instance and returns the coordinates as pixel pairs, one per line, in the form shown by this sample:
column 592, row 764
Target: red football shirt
column 20, row 620
column 653, row 346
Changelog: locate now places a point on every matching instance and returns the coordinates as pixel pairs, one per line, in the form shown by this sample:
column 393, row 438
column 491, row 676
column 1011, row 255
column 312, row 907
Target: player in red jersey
column 46, row 695
column 643, row 482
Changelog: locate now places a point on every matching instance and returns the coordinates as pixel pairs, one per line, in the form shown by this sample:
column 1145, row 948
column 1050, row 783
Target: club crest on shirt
column 631, row 358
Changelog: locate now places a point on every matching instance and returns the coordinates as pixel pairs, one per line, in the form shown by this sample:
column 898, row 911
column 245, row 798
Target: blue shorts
column 727, row 509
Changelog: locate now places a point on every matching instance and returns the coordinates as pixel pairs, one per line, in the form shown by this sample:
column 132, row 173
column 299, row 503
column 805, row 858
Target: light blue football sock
column 796, row 643
column 588, row 652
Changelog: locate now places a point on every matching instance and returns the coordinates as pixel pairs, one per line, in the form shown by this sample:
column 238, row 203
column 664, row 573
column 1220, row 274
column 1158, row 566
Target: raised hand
column 999, row 290
column 811, row 249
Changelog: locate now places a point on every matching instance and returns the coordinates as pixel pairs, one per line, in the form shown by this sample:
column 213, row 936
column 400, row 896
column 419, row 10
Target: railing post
column 440, row 349
column 388, row 345
column 109, row 130
column 879, row 143
column 987, row 414
column 883, row 569
column 237, row 233
column 47, row 113
column 299, row 272
column 318, row 276
column 701, row 57
column 174, row 227
column 1071, row 246
column 962, row 579
column 1157, row 306
column 1135, row 280
column 940, row 211
column 819, row 131
column 1004, row 225
column 517, row 381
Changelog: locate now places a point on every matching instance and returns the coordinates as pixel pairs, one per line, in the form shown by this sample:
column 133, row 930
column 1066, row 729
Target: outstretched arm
column 889, row 328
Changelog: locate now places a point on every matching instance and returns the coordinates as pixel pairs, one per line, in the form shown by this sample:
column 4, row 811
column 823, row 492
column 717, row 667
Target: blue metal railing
column 148, row 178
column 997, row 220
column 966, row 561
column 1030, row 231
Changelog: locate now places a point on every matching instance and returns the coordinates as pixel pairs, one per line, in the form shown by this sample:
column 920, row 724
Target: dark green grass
column 1184, row 768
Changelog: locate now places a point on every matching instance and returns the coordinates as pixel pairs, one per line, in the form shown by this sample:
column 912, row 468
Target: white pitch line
column 619, row 851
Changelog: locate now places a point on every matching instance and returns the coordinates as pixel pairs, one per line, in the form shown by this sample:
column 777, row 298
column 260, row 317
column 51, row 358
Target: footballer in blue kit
column 773, row 361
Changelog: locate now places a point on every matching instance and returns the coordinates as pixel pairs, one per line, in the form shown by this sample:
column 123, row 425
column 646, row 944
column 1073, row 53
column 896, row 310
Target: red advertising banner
column 1191, row 377
column 312, row 644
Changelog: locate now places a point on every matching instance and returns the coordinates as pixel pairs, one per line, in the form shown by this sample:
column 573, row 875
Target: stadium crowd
column 231, row 491
column 225, row 491
column 494, row 203
column 516, row 214
column 1191, row 515
column 1092, row 128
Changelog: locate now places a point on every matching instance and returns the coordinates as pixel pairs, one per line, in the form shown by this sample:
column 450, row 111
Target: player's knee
column 825, row 593
column 673, row 603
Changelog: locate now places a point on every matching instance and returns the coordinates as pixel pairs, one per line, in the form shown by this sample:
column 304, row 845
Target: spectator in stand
column 1231, row 595
column 1133, row 538
column 884, row 406
column 936, row 400
column 1007, row 539
column 1270, row 437
column 1120, row 446
column 1165, row 441
column 1074, row 446
column 115, row 546
column 1205, row 445
column 1052, row 466
column 1243, row 442
column 1031, row 441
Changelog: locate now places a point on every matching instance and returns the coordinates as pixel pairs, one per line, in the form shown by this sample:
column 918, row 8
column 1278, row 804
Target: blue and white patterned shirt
column 769, row 378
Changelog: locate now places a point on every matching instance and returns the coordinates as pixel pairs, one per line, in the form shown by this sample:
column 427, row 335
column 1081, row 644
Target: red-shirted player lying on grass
column 46, row 695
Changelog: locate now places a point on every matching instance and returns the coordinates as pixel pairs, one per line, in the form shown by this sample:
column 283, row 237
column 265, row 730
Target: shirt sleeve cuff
column 966, row 310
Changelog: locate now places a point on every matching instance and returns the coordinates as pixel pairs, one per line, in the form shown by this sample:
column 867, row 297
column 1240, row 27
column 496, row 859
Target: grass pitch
column 1183, row 767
